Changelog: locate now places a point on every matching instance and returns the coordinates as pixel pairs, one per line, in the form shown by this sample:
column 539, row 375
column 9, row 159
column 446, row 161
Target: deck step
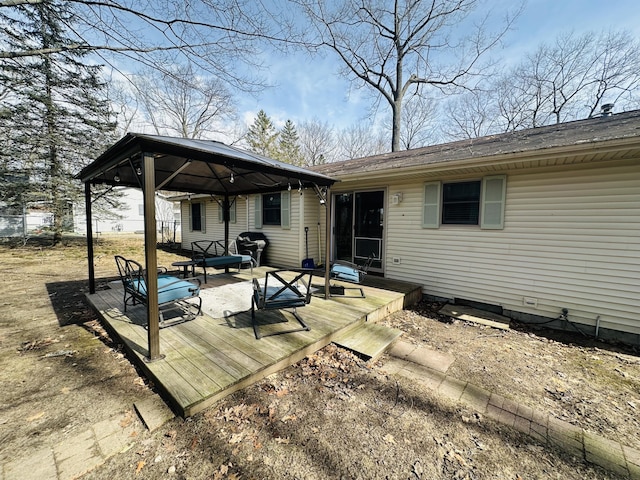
column 474, row 315
column 368, row 339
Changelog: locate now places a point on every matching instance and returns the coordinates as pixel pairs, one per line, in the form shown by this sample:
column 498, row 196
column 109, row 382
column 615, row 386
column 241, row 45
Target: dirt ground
column 330, row 416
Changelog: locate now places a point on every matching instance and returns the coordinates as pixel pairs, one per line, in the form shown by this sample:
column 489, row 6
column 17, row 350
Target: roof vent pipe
column 606, row 110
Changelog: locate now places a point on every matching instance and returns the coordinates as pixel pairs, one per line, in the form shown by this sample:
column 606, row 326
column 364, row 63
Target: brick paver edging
column 544, row 428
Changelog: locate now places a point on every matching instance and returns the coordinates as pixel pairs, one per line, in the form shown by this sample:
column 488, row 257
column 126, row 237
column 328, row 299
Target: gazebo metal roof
column 196, row 166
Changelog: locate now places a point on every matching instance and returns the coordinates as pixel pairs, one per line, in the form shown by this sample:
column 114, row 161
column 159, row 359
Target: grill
column 253, row 243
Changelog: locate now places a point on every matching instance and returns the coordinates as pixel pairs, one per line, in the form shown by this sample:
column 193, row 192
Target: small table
column 185, row 264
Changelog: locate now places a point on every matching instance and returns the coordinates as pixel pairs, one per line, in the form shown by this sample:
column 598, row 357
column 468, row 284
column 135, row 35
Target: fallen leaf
column 287, row 418
column 282, row 392
column 35, row 417
column 389, row 438
column 281, row 441
column 417, row 469
column 236, row 438
column 140, row 466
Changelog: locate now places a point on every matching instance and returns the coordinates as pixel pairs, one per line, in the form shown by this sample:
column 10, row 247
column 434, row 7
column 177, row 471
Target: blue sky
column 313, row 89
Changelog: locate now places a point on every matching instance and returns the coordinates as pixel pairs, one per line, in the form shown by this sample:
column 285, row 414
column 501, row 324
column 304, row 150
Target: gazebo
column 153, row 162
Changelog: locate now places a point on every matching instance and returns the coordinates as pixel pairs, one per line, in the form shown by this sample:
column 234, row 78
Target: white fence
column 25, row 226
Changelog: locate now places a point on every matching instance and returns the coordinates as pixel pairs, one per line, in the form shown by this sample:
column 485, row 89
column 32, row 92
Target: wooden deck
column 208, row 358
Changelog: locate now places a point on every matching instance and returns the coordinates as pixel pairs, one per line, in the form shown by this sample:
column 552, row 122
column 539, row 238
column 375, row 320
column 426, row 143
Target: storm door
column 358, row 227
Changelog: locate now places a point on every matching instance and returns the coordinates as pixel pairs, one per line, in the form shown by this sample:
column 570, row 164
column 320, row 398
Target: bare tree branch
column 209, row 34
column 378, row 45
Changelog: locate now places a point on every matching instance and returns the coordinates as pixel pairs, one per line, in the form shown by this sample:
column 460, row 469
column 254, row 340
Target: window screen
column 461, row 203
column 271, row 209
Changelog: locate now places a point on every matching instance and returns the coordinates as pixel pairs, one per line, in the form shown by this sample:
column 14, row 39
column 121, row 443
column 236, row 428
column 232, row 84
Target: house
column 542, row 224
column 130, row 218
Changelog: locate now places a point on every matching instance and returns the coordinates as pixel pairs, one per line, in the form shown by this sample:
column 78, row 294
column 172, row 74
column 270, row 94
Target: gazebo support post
column 327, row 245
column 151, row 256
column 226, row 208
column 87, row 206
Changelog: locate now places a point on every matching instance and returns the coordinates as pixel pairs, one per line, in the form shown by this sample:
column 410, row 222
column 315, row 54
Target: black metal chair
column 349, row 272
column 173, row 292
column 278, row 293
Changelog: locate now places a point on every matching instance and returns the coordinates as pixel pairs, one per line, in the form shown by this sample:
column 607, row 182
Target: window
column 232, row 212
column 478, row 202
column 271, row 209
column 196, row 216
column 461, row 203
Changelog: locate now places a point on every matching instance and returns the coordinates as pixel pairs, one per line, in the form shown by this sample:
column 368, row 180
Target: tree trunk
column 396, row 109
column 54, row 162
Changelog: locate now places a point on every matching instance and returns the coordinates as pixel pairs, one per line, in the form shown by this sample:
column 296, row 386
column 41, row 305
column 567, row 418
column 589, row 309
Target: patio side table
column 185, row 264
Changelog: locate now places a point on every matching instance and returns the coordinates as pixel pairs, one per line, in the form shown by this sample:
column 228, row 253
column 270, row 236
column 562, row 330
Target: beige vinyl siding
column 313, row 213
column 214, row 228
column 284, row 243
column 571, row 239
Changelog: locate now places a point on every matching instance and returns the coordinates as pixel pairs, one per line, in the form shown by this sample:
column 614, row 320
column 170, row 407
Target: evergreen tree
column 289, row 145
column 262, row 136
column 57, row 119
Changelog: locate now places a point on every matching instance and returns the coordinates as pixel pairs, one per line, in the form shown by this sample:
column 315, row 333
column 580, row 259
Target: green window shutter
column 232, row 211
column 494, row 189
column 203, row 217
column 285, row 210
column 258, row 212
column 431, row 205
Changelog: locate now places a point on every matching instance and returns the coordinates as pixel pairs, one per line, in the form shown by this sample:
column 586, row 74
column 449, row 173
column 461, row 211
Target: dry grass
column 329, row 416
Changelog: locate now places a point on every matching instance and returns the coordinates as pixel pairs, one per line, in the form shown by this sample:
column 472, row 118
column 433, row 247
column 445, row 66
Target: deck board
column 208, row 358
column 369, row 340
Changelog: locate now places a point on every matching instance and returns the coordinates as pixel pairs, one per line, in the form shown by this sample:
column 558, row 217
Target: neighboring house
column 130, row 219
column 531, row 222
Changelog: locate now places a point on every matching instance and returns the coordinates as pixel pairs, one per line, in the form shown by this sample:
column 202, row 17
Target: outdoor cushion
column 346, row 273
column 285, row 299
column 170, row 289
column 225, row 260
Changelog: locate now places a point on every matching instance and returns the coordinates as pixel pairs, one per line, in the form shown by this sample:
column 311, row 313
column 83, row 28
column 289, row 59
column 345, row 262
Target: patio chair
column 349, row 272
column 247, row 258
column 173, row 293
column 277, row 293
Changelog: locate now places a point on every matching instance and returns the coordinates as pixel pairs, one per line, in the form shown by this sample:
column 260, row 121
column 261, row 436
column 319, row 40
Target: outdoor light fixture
column 138, row 170
column 299, row 187
column 231, row 180
column 289, row 187
column 116, row 177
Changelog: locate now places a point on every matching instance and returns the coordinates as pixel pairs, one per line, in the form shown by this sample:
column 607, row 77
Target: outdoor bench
column 173, row 292
column 212, row 254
